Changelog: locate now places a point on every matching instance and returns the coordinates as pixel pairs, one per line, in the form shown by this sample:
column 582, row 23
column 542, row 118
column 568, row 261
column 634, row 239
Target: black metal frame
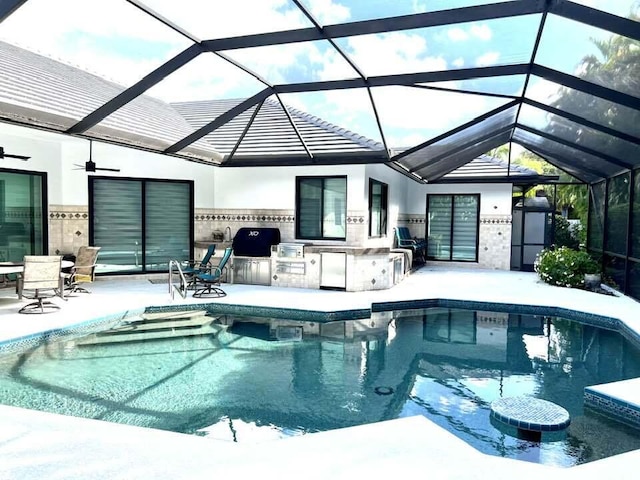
column 452, row 195
column 330, row 33
column 44, row 203
column 299, row 179
column 384, row 206
column 143, row 181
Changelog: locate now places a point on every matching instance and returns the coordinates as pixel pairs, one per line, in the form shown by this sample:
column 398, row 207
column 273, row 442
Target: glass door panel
column 22, row 219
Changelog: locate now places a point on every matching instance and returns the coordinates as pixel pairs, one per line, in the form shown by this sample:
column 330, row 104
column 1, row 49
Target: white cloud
column 126, row 44
column 393, row 53
column 457, row 34
column 328, row 12
column 482, row 32
column 411, row 115
column 489, row 58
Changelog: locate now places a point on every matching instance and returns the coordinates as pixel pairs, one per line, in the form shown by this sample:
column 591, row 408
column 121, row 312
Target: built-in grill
column 255, row 242
column 252, row 255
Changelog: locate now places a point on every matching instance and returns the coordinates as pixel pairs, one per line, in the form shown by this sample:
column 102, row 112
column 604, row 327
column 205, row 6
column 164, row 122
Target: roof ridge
column 508, row 165
column 350, row 135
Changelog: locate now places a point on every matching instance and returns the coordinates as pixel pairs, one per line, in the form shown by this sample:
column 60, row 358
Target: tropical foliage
column 564, row 267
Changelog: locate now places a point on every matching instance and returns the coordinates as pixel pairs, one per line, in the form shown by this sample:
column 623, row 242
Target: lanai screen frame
column 591, row 165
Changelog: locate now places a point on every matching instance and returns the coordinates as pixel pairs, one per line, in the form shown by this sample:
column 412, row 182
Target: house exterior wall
column 68, row 185
column 242, row 197
column 494, row 236
column 266, row 197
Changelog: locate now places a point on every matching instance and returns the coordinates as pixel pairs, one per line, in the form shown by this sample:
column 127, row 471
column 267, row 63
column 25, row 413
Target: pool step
column 151, row 326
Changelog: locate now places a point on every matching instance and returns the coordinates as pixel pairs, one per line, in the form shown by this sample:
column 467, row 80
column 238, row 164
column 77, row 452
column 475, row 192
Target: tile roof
column 40, row 91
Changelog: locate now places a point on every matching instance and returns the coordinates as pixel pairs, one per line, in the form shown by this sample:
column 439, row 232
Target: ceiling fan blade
column 19, row 157
column 8, row 155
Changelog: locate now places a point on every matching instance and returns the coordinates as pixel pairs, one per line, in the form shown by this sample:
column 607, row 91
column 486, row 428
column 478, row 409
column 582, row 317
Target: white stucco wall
column 58, row 155
column 275, row 187
column 495, row 199
column 397, row 196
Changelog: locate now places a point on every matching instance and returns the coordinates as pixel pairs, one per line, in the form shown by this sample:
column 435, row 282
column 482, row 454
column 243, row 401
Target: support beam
column 407, row 79
column 596, row 18
column 382, row 25
column 244, row 132
column 551, row 157
column 552, row 163
column 7, row 7
column 587, row 87
column 295, row 128
column 297, row 160
column 456, row 130
column 218, row 122
column 576, row 146
column 460, row 147
column 583, row 121
column 136, row 90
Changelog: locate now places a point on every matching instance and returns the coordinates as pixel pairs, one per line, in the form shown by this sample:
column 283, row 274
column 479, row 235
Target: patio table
column 7, row 268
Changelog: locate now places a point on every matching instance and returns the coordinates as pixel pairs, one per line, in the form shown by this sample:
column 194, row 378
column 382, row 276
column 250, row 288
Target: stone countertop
column 220, row 246
column 348, row 249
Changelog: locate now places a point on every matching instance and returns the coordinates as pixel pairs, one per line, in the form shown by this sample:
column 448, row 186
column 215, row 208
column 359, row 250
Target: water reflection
column 254, row 379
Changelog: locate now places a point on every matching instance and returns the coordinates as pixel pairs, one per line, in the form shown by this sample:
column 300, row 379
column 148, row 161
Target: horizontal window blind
column 117, row 223
column 453, row 227
column 141, row 224
column 167, row 225
column 465, row 227
column 439, row 236
column 321, row 207
column 310, row 208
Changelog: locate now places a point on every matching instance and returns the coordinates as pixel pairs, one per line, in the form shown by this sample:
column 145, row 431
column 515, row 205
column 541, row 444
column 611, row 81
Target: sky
column 117, row 41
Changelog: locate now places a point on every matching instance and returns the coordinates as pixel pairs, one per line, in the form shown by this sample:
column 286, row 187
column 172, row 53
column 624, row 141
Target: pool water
column 255, row 379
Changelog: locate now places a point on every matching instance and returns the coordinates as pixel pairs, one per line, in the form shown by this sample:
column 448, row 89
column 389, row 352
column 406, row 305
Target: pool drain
column 383, row 390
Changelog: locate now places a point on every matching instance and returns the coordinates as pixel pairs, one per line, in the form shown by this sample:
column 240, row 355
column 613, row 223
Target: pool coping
column 610, row 405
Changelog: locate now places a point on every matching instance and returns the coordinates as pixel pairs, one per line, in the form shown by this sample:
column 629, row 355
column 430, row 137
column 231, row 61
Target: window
column 321, row 208
column 452, row 229
column 23, row 222
column 140, row 224
column 378, row 194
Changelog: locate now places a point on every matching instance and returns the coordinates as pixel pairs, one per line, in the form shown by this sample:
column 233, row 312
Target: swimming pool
column 248, row 379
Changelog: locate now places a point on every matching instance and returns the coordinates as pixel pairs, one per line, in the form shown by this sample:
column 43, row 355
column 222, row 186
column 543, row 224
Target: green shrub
column 564, row 235
column 564, row 267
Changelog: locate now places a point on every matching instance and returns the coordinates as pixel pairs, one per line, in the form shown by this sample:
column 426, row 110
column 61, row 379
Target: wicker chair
column 83, row 271
column 41, row 279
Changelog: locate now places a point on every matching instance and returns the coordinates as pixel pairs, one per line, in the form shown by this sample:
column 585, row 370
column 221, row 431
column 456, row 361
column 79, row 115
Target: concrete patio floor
column 42, row 445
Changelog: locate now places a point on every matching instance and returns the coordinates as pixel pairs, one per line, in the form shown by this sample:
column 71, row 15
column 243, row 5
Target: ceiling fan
column 8, row 155
column 90, row 165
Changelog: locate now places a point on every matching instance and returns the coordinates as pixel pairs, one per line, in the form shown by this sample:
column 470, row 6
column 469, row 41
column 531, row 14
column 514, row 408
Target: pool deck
column 42, row 445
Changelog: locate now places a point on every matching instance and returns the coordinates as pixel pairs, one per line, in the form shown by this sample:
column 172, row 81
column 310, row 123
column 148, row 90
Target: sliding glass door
column 452, row 227
column 23, row 223
column 140, row 224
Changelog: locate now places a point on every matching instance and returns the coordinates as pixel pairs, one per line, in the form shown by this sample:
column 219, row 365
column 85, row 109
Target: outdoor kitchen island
column 305, row 265
column 259, row 258
column 339, row 267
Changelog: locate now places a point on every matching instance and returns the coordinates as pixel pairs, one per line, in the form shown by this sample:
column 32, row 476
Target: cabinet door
column 333, row 273
column 241, row 270
column 262, row 272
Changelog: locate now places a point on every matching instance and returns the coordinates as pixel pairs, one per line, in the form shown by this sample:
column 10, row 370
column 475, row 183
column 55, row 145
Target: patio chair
column 416, row 245
column 41, row 279
column 192, row 267
column 211, row 281
column 83, row 271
